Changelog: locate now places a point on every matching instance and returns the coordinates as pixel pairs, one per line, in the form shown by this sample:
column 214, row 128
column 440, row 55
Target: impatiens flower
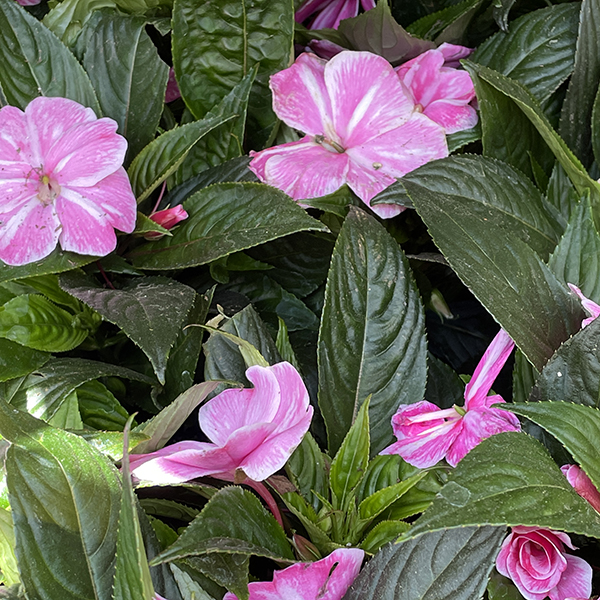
column 536, row 561
column 28, row 2
column 326, row 579
column 252, row 430
column 61, row 180
column 426, row 433
column 440, row 91
column 590, row 307
column 330, row 12
column 582, row 484
column 167, row 218
column 361, row 129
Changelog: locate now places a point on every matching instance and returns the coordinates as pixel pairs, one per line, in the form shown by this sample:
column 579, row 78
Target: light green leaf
column 8, row 561
column 67, row 18
column 383, row 533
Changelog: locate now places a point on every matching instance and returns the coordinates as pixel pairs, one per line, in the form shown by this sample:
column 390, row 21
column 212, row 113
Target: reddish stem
column 160, row 197
column 262, row 490
column 103, row 273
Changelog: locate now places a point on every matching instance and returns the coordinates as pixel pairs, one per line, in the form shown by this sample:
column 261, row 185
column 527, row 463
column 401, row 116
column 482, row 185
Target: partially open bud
column 582, row 484
column 167, row 218
column 307, row 551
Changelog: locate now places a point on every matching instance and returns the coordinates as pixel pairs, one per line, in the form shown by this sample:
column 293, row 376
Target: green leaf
column 128, row 76
column 227, row 571
column 284, row 347
column 452, row 563
column 165, row 424
column 8, row 561
column 215, row 45
column 489, row 232
column 573, row 373
column 52, row 476
column 509, row 479
column 458, row 140
column 162, row 157
column 110, row 442
column 502, row 588
column 561, row 194
column 527, row 103
column 432, row 25
column 383, row 533
column 383, row 471
column 224, row 142
column 23, row 76
column 500, row 12
column 17, row 360
column 349, row 464
column 576, row 259
column 336, row 203
column 378, row 32
column 43, row 392
column 67, row 18
column 99, row 408
column 33, row 321
column 308, row 470
column 538, row 50
column 225, row 218
column 132, row 574
column 67, row 416
column 576, row 115
column 150, row 310
column 372, row 338
column 224, row 360
column 575, row 426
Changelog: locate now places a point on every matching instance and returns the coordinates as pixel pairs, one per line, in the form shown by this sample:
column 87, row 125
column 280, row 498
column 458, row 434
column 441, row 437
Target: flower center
column 419, row 108
column 48, row 189
column 328, row 144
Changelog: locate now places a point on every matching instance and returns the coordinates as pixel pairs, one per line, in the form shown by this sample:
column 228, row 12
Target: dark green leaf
column 577, row 256
column 33, row 321
column 99, row 408
column 382, row 472
column 216, row 44
column 150, row 310
column 573, row 373
column 24, row 75
column 229, row 571
column 501, row 10
column 226, row 141
column 42, row 392
column 509, row 479
column 576, row 115
column 128, row 76
column 524, row 378
column 132, row 574
column 378, row 32
column 372, row 338
column 575, row 426
column 349, row 464
column 336, row 203
column 452, row 563
column 225, row 218
column 502, row 588
column 17, row 360
column 383, row 533
column 284, row 347
column 52, row 476
column 444, row 387
column 561, row 194
column 538, row 51
column 489, row 233
column 458, row 140
column 165, row 424
column 162, row 157
column 432, row 25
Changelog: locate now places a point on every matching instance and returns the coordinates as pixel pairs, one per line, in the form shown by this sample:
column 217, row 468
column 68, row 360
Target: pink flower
column 426, row 433
column 582, row 484
column 535, row 560
column 440, row 91
column 172, row 92
column 61, row 180
column 590, row 307
column 168, row 218
column 330, row 12
column 326, row 579
column 362, row 129
column 253, row 430
column 28, row 2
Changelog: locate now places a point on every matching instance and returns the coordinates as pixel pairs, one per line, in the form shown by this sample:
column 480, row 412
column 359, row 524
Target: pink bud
column 582, row 484
column 167, row 218
column 172, row 92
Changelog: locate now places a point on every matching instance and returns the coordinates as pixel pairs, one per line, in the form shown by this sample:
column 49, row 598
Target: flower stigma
column 328, row 144
column 48, row 190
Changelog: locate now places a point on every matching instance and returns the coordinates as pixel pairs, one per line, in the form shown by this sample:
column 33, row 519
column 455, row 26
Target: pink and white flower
column 325, row 579
column 253, row 431
column 61, row 180
column 330, row 12
column 361, row 129
column 582, row 484
column 590, row 307
column 439, row 90
column 536, row 561
column 426, row 433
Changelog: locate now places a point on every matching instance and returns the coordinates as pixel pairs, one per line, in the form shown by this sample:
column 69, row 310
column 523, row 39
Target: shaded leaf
column 372, row 338
column 67, row 18
column 17, row 360
column 225, row 218
column 99, row 408
column 432, row 25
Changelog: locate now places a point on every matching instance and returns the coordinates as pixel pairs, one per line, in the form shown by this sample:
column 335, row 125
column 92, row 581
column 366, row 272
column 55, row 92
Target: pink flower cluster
column 426, row 433
column 366, row 125
column 329, row 13
column 61, row 181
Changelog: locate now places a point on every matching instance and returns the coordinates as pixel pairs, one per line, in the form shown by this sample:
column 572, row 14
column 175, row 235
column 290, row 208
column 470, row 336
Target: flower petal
column 301, row 169
column 295, row 400
column 576, row 580
column 113, row 197
column 367, row 100
column 582, row 484
column 28, row 233
column 453, row 53
column 86, row 153
column 15, row 152
column 85, row 228
column 452, row 116
column 300, row 97
column 308, row 7
column 334, row 12
column 589, row 306
column 488, row 369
